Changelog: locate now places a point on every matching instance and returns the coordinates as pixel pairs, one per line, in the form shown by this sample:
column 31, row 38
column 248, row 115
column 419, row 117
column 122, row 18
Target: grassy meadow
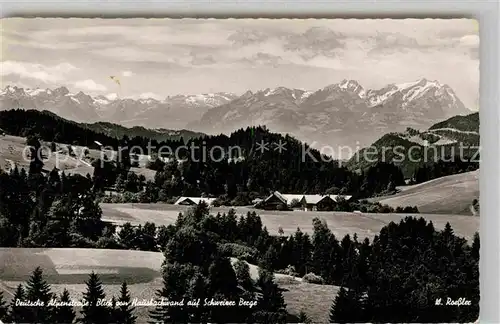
column 341, row 223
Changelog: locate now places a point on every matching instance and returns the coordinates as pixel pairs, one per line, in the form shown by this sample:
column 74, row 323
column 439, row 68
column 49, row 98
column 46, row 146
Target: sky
column 165, row 57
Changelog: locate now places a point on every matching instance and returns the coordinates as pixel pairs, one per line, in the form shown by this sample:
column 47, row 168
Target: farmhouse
column 307, row 202
column 191, row 201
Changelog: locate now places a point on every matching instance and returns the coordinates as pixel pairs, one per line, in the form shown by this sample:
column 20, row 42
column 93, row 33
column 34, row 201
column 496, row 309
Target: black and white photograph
column 239, row 170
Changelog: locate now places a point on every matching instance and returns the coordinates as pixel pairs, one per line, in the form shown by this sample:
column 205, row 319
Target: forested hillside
column 248, row 160
column 448, row 147
column 469, row 123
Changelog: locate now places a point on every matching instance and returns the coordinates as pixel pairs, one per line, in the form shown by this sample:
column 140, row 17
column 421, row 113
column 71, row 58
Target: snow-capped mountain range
column 344, row 113
column 339, row 114
column 172, row 112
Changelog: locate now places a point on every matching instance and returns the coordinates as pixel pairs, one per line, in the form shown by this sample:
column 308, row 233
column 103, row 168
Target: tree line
column 35, row 302
column 441, row 168
column 59, row 210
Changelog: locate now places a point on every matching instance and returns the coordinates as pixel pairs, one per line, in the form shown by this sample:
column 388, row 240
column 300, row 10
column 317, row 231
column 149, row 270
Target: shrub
column 222, row 200
column 409, row 209
column 108, row 243
column 79, row 241
column 290, row 270
column 239, row 251
column 241, row 200
column 386, row 209
column 312, row 278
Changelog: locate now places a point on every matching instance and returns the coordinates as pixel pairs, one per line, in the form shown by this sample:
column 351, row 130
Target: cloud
column 127, row 73
column 263, row 59
column 393, row 42
column 315, row 41
column 134, row 54
column 90, row 85
column 35, row 71
column 245, row 37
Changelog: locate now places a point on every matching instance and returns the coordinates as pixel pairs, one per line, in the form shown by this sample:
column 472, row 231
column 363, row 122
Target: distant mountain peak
column 346, row 85
column 247, row 94
column 61, row 91
column 423, row 82
column 276, row 91
column 12, row 90
column 353, row 86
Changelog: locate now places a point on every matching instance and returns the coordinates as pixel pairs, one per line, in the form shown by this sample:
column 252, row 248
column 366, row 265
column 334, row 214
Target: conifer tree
column 36, row 163
column 113, row 312
column 475, row 246
column 64, row 314
column 242, row 271
column 223, row 285
column 269, row 259
column 91, row 312
column 271, row 307
column 17, row 314
column 324, row 250
column 126, row 235
column 174, row 284
column 342, row 310
column 37, row 289
column 125, row 312
column 3, row 308
column 303, row 318
column 198, row 290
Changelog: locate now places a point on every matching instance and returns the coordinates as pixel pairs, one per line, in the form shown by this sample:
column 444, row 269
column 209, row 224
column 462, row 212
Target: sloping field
column 447, row 195
column 13, row 151
column 12, row 148
column 69, row 268
column 341, row 223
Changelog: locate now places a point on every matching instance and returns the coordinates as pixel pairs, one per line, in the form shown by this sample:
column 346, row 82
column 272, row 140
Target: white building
column 307, row 202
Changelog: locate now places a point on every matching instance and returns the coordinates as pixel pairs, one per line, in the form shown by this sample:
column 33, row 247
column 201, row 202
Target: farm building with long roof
column 307, row 202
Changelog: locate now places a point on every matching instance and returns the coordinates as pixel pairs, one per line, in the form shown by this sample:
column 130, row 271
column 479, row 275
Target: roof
column 278, row 195
column 290, row 197
column 314, row 199
column 337, row 197
column 310, row 199
column 195, row 200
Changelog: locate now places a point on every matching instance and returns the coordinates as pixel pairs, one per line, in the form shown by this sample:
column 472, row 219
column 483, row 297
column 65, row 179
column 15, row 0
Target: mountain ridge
column 445, row 141
column 170, row 112
column 343, row 113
